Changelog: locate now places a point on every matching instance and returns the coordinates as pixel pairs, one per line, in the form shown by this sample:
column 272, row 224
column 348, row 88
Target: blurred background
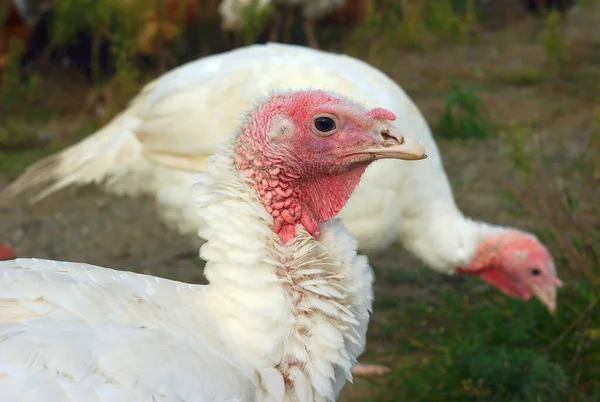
column 511, row 89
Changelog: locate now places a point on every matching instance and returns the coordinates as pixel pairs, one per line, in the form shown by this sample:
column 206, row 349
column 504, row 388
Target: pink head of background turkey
column 518, row 265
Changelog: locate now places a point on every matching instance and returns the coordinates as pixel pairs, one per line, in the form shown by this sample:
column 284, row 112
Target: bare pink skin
column 518, row 265
column 304, row 176
column 6, row 253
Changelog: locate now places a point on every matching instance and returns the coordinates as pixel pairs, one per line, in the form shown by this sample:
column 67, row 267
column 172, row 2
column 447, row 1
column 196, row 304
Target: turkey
column 232, row 12
column 310, row 12
column 174, row 124
column 285, row 313
column 232, row 15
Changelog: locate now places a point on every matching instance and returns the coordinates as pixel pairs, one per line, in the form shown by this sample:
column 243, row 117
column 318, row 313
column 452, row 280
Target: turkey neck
column 274, row 301
column 443, row 237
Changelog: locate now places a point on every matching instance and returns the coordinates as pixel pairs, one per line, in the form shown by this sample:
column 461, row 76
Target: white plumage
column 232, row 14
column 278, row 322
column 178, row 119
column 232, row 11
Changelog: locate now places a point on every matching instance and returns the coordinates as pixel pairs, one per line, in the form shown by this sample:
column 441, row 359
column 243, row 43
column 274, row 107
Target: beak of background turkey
column 547, row 294
column 395, row 146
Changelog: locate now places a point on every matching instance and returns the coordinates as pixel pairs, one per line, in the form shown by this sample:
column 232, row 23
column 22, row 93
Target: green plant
column 124, row 84
column 568, row 230
column 477, row 349
column 555, row 47
column 377, row 38
column 11, row 77
column 14, row 134
column 528, row 76
column 4, row 12
column 462, row 117
column 586, row 3
column 442, row 19
column 412, row 31
column 15, row 86
column 470, row 16
column 254, row 18
column 117, row 21
column 564, row 226
column 518, row 152
column 595, row 143
column 410, row 24
column 467, row 346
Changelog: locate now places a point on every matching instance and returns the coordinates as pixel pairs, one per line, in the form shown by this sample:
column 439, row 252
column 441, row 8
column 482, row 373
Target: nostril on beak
column 390, row 140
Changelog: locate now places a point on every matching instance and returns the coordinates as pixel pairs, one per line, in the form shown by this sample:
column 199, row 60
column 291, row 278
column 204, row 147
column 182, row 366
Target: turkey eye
column 324, row 124
column 535, row 272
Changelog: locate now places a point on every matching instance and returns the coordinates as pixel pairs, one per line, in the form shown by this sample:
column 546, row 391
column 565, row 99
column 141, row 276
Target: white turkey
column 285, row 312
column 174, row 124
column 233, row 11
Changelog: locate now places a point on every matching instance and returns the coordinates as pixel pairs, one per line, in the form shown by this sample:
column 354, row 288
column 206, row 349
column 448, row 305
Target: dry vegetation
column 517, row 114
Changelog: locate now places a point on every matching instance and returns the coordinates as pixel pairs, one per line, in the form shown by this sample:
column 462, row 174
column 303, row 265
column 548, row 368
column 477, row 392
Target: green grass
column 595, row 143
column 554, row 44
column 410, row 25
column 491, row 348
column 462, row 117
column 525, row 77
column 18, row 143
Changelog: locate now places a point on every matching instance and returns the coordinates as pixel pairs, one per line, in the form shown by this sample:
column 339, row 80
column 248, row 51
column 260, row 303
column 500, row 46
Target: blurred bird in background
column 6, row 253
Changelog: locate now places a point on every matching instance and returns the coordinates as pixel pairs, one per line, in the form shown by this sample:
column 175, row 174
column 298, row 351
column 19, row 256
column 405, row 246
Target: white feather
column 232, row 11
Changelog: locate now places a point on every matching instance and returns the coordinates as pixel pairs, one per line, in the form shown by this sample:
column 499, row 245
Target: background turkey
column 172, row 127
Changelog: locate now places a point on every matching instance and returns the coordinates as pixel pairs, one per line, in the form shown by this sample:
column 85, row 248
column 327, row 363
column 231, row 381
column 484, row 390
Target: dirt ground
column 87, row 225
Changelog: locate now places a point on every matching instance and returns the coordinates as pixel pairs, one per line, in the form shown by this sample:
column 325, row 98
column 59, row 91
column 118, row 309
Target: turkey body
column 120, row 321
column 172, row 126
column 77, row 332
column 278, row 322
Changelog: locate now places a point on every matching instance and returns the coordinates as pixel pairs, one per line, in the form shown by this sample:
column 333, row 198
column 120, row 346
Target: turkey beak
column 394, row 146
column 547, row 294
